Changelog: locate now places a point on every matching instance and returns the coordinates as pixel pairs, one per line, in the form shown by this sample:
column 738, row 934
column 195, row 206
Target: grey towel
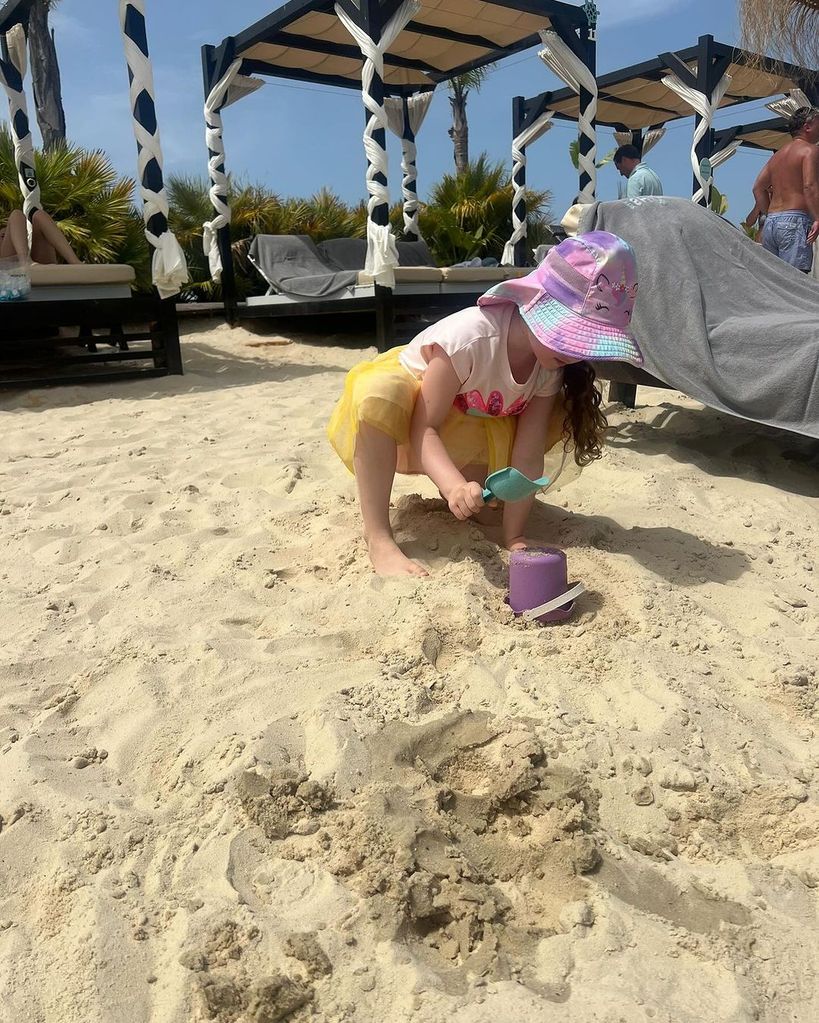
column 717, row 316
column 344, row 253
column 292, row 265
column 351, row 253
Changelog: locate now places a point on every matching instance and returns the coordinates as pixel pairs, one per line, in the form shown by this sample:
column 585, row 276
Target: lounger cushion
column 482, row 274
column 57, row 275
column 409, row 275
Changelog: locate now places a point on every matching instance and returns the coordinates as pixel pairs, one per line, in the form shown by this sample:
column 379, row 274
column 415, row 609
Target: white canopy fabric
column 418, row 107
column 571, row 69
column 650, row 139
column 706, row 108
column 717, row 160
column 214, row 104
column 789, row 103
column 531, row 134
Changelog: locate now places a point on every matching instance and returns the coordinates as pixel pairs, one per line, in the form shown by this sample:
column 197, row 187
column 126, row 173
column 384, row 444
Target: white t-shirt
column 475, row 340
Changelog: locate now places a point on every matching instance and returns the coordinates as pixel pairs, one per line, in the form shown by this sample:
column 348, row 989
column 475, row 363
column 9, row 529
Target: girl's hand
column 518, row 543
column 466, row 500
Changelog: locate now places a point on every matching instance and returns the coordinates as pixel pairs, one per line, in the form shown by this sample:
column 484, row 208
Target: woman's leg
column 375, row 459
column 15, row 240
column 49, row 242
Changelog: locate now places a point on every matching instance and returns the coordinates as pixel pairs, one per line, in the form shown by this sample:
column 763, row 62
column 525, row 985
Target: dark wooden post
column 375, row 17
column 705, row 85
column 588, row 45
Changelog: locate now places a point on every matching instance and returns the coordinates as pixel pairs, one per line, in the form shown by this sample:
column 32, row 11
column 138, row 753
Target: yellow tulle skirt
column 382, row 393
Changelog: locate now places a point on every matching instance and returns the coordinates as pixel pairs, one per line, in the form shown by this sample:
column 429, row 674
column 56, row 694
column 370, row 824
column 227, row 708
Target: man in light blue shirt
column 641, row 179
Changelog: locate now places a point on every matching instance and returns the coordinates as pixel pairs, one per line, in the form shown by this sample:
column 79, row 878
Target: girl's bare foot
column 388, row 559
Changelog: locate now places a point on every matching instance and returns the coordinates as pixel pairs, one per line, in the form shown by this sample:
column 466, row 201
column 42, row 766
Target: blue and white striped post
column 13, row 66
column 170, row 270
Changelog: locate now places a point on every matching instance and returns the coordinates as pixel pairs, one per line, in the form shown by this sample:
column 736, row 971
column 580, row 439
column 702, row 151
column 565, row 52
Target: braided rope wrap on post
column 705, row 108
column 405, row 117
column 571, row 69
column 519, row 145
column 216, row 169
column 382, row 254
column 170, row 270
column 13, row 67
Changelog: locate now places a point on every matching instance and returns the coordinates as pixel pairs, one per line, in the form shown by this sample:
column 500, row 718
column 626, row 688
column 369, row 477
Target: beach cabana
column 637, row 102
column 395, row 52
column 91, row 304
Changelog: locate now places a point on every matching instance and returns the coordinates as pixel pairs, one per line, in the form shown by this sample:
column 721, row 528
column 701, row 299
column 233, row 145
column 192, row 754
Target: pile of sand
column 244, row 780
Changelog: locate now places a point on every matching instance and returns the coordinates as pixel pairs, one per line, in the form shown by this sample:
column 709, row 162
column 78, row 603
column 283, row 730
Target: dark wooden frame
column 126, row 322
column 371, row 15
column 37, row 321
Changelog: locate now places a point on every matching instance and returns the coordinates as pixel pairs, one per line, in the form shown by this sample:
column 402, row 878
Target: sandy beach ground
column 244, row 780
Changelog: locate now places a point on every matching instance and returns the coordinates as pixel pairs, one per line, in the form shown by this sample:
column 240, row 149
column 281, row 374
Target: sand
column 244, row 780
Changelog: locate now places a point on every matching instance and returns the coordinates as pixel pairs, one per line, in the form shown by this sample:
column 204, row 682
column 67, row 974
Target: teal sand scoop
column 510, row 485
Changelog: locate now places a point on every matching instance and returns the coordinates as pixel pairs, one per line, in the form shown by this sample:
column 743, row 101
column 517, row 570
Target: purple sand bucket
column 538, row 585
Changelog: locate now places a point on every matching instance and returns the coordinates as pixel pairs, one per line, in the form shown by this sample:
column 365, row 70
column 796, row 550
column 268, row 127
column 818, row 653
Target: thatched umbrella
column 788, row 29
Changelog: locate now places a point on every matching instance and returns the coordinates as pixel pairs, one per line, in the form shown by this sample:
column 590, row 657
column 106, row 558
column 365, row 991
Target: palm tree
column 45, row 75
column 470, row 214
column 459, row 89
column 787, row 29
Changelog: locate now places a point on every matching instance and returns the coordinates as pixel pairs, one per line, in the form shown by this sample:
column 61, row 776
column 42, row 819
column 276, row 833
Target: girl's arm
column 438, row 390
column 527, row 457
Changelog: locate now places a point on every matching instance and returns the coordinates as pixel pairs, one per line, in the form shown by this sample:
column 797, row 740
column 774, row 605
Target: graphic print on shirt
column 473, row 404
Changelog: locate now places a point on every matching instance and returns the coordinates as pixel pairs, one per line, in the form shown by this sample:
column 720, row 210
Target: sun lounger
column 717, row 317
column 82, row 323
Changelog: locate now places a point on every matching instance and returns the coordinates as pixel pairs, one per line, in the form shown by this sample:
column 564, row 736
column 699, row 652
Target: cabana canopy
column 396, row 52
column 305, row 40
column 769, row 135
column 635, row 97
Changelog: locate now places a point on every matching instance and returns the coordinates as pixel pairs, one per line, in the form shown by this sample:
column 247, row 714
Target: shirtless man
column 786, row 194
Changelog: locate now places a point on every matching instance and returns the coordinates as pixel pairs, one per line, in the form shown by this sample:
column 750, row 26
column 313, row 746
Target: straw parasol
column 788, row 29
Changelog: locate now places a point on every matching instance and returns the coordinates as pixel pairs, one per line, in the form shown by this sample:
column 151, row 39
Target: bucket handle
column 553, row 605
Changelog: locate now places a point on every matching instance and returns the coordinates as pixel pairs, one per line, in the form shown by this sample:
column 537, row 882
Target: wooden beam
column 298, row 42
column 15, row 12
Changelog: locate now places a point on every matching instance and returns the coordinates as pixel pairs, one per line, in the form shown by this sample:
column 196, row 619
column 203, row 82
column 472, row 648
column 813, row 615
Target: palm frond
column 470, row 214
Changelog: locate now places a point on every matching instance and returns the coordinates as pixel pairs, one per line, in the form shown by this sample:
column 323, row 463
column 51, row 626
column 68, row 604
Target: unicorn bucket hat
column 580, row 300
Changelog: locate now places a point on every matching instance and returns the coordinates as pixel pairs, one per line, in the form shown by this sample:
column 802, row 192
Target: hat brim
column 579, row 337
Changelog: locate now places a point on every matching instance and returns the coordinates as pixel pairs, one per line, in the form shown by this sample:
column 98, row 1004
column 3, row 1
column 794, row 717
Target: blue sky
column 296, row 138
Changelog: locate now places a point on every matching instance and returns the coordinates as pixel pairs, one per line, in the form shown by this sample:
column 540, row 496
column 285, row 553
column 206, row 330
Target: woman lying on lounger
column 48, row 243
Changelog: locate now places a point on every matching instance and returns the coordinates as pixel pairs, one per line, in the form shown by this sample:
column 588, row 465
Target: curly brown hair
column 584, row 424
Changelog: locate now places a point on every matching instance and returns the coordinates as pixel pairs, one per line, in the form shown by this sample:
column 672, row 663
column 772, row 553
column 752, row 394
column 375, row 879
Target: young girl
column 495, row 385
